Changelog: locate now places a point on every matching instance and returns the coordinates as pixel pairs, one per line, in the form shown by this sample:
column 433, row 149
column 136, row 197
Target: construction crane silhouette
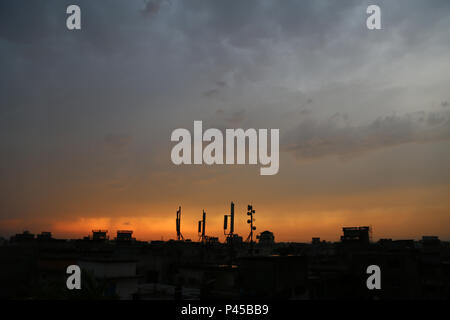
column 201, row 228
column 179, row 235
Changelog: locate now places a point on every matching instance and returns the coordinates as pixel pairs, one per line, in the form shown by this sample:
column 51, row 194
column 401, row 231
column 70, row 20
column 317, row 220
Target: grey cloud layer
column 139, row 69
column 178, row 58
column 336, row 136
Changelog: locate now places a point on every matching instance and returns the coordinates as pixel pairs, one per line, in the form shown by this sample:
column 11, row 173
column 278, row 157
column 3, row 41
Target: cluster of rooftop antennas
column 229, row 232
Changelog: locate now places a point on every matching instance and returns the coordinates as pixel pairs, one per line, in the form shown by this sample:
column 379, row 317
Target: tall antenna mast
column 230, row 232
column 202, row 227
column 179, row 235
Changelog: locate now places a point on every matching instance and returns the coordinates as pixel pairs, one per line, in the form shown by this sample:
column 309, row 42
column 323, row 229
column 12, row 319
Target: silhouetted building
column 431, row 241
column 124, row 236
column 34, row 268
column 26, row 236
column 44, row 236
column 117, row 277
column 99, row 235
column 234, row 239
column 211, row 240
column 276, row 277
column 360, row 235
column 396, row 244
column 266, row 238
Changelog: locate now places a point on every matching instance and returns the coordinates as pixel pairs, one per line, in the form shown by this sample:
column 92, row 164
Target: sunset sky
column 86, row 116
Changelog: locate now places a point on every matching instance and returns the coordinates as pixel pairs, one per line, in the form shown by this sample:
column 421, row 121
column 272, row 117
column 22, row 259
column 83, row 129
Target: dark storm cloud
column 185, row 48
column 336, row 135
column 203, row 36
column 138, row 69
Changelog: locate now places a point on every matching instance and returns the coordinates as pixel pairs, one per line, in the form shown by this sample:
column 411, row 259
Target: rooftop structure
column 359, row 235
